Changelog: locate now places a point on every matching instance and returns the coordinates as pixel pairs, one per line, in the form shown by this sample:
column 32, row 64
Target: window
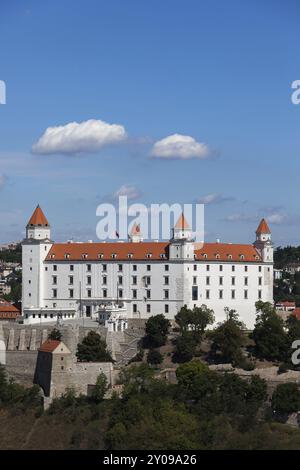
column 120, row 280
column 166, row 280
column 120, row 267
column 71, row 280
column 54, row 293
column 148, row 294
column 246, row 268
column 120, row 293
column 134, row 308
column 221, row 280
column 134, row 293
column 71, row 293
column 100, row 255
column 148, row 308
column 104, row 268
column 245, row 281
column 89, row 267
column 89, row 280
column 220, row 294
column 130, row 255
column 148, row 267
column 233, row 281
column 259, row 294
column 166, row 308
column 195, row 267
column 71, row 267
column 207, row 294
column 194, row 279
column 88, row 310
column 89, row 293
column 259, row 269
column 114, row 255
column 54, row 279
column 232, row 268
column 195, row 293
column 104, row 280
column 260, row 281
column 245, row 294
column 207, row 267
column 233, row 294
column 54, row 267
column 166, row 294
column 166, row 267
column 104, row 293
column 147, row 280
column 134, row 267
column 207, row 280
column 134, row 280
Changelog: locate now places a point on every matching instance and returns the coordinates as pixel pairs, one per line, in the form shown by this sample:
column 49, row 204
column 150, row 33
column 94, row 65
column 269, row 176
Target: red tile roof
column 8, row 311
column 182, row 223
column 144, row 250
column 263, row 227
column 38, row 218
column 49, row 345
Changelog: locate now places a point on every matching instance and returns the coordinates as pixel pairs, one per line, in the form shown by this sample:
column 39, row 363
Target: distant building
column 277, row 274
column 74, row 280
column 285, row 306
column 292, row 268
column 9, row 312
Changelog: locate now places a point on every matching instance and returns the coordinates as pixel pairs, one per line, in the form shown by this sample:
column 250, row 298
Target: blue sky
column 217, row 72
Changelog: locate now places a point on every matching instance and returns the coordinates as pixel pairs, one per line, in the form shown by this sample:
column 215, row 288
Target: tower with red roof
column 263, row 242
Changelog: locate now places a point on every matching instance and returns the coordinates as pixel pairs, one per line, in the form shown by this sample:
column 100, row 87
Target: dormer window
column 130, row 255
column 217, row 256
column 256, row 257
column 113, row 255
column 204, row 255
column 100, row 255
column 52, row 256
column 149, row 255
column 84, row 256
column 242, row 257
column 162, row 255
column 229, row 256
column 67, row 255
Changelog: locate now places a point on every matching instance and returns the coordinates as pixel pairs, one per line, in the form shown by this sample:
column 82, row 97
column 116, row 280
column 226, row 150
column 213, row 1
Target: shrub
column 154, row 357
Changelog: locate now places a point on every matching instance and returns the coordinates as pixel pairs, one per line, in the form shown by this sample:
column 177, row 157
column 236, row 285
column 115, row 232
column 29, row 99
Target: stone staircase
column 128, row 347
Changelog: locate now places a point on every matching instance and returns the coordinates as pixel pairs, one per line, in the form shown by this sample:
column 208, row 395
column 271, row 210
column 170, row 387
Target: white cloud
column 74, row 137
column 214, row 198
column 180, row 147
column 131, row 191
column 277, row 218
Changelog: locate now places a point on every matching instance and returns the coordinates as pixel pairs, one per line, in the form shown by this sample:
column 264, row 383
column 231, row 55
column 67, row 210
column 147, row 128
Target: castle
column 116, row 281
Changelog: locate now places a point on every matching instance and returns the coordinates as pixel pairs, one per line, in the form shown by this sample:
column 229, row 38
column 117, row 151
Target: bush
column 154, row 357
column 185, row 348
column 55, row 334
column 286, row 398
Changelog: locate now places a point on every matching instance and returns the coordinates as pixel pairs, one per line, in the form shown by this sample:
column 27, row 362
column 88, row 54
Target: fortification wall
column 79, row 376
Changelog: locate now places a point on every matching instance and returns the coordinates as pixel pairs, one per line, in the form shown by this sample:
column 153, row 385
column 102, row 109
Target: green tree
column 99, row 389
column 156, row 330
column 286, row 398
column 195, row 320
column 93, row 349
column 55, row 334
column 154, row 357
column 228, row 339
column 185, row 347
column 271, row 341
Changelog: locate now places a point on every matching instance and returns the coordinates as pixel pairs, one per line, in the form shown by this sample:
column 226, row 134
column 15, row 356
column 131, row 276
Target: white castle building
column 116, row 281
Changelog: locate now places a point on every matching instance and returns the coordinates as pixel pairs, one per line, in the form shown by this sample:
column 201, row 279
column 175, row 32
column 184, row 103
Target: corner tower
column 263, row 242
column 181, row 243
column 35, row 248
